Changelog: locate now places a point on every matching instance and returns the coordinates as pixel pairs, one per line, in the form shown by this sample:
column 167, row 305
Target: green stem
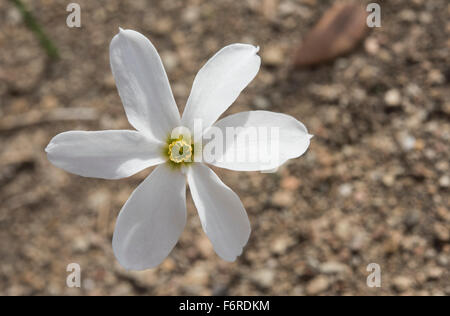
column 34, row 26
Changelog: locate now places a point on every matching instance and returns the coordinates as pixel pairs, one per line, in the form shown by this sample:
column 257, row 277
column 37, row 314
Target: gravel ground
column 373, row 186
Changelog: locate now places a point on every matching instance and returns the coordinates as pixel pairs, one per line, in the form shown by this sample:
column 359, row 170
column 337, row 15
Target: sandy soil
column 373, row 186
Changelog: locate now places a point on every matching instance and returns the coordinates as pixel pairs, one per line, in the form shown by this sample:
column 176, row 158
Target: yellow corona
column 180, row 151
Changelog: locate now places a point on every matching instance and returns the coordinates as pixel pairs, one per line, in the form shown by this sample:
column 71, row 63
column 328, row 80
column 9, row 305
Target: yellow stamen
column 180, row 151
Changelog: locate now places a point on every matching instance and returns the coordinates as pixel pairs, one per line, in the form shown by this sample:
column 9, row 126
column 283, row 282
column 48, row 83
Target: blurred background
column 372, row 188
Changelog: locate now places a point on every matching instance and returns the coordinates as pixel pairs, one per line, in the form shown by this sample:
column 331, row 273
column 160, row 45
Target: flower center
column 180, row 150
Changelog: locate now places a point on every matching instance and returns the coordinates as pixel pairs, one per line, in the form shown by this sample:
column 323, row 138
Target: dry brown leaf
column 339, row 31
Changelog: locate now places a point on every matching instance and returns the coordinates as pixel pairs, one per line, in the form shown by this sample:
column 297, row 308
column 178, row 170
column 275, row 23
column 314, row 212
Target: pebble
column 198, row 275
column 372, row 46
column 329, row 93
column 168, row 265
column 170, row 60
column 290, row 183
column 163, row 26
column 261, row 103
column 49, row 102
column 345, row 189
column 408, row 15
column 402, row 283
column 109, row 82
column 436, row 77
column 273, row 56
column 263, row 277
column 441, row 232
column 443, row 260
column 332, row 267
column 280, row 244
column 283, row 199
column 425, row 17
column 444, row 181
column 434, row 273
column 411, row 219
column 388, row 180
column 407, row 142
column 393, row 97
column 317, row 285
column 81, row 244
column 358, row 241
column 191, row 14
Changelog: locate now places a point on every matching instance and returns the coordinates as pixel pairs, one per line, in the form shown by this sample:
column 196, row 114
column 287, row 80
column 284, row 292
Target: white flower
column 151, row 221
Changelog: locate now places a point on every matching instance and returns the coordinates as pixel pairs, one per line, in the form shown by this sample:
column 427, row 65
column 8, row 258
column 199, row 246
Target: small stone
column 13, row 16
column 408, row 15
column 20, row 105
column 411, row 219
column 273, row 56
column 220, row 290
column 441, row 232
column 317, row 285
column 443, row 260
column 109, row 82
column 434, row 273
column 444, row 181
column 436, row 77
column 345, row 189
column 443, row 165
column 430, row 253
column 329, row 93
column 280, row 244
column 282, row 199
column 419, row 145
column 198, row 275
column 446, row 108
column 425, row 18
column 49, row 102
column 191, row 14
column 205, row 246
column 332, row 267
column 407, row 142
column 261, row 103
column 263, row 277
column 393, row 97
column 88, row 284
column 180, row 90
column 402, row 283
column 163, row 26
column 290, row 183
column 269, row 9
column 371, row 45
column 358, row 241
column 298, row 291
column 81, row 244
column 343, row 229
column 388, row 180
column 170, row 60
column 447, row 290
column 168, row 265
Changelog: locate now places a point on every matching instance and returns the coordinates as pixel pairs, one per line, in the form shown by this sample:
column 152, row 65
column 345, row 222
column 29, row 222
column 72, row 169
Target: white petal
column 222, row 214
column 280, row 137
column 104, row 154
column 219, row 83
column 152, row 220
column 143, row 85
